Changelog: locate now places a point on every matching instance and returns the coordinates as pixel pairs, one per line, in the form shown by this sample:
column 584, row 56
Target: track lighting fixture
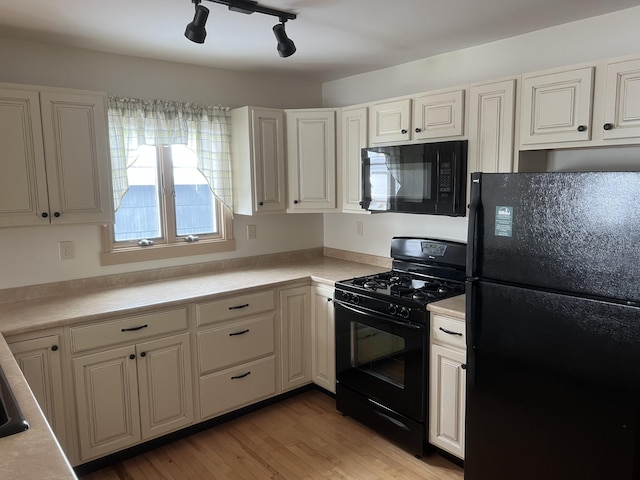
column 286, row 47
column 196, row 33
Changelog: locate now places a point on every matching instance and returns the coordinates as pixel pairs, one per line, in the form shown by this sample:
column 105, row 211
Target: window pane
column 139, row 214
column 195, row 204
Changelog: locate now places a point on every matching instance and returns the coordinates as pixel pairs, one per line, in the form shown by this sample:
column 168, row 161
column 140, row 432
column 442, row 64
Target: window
column 165, row 205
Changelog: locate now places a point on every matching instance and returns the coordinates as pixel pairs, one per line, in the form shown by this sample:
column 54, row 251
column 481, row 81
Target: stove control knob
column 355, row 299
column 346, row 296
column 393, row 309
column 404, row 312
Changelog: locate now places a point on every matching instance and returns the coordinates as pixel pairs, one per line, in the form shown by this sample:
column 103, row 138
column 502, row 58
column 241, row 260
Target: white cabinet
column 236, row 352
column 258, row 160
column 39, row 358
column 311, row 160
column 622, row 100
column 323, row 349
column 56, row 165
column 133, row 392
column 491, row 126
column 438, row 115
column 295, row 337
column 447, row 384
column 427, row 116
column 556, row 107
column 354, row 129
column 390, row 122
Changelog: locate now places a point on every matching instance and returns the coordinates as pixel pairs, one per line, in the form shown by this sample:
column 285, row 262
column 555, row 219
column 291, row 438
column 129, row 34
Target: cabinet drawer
column 235, row 343
column 457, row 336
column 236, row 387
column 235, row 307
column 127, row 329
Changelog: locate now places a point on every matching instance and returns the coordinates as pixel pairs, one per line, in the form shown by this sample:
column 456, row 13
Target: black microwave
column 428, row 178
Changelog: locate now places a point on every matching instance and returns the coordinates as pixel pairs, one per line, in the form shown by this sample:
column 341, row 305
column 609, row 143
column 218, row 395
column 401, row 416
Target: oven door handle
column 357, row 311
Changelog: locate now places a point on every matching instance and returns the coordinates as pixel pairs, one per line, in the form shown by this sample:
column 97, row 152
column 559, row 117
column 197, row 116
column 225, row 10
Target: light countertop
column 453, row 307
column 35, row 453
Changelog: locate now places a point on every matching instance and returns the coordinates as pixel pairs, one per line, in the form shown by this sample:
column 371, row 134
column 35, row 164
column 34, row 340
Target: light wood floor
column 301, row 438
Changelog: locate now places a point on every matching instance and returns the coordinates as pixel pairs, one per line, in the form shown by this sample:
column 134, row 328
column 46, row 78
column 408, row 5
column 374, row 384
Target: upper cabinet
column 585, row 106
column 353, row 139
column 55, row 159
column 423, row 117
column 622, row 100
column 491, row 126
column 556, row 107
column 311, row 160
column 257, row 150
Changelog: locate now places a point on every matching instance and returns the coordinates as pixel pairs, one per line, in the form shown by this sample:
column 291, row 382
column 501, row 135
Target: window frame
column 171, row 245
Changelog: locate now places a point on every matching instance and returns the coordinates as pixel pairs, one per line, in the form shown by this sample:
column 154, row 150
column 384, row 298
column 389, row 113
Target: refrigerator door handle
column 472, row 238
column 471, row 330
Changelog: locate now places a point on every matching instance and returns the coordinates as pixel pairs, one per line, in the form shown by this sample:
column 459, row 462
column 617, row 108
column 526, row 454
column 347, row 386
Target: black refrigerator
column 553, row 327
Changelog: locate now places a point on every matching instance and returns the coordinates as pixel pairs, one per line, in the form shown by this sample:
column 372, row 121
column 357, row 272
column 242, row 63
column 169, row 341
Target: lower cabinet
column 323, row 349
column 295, row 337
column 40, row 361
column 133, row 393
column 447, row 384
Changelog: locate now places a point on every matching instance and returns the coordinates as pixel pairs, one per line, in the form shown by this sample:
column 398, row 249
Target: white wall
column 30, row 255
column 611, row 35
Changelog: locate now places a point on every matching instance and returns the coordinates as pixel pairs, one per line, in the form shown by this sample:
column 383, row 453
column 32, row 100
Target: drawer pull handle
column 449, row 332
column 237, row 307
column 240, row 376
column 134, row 329
column 239, row 333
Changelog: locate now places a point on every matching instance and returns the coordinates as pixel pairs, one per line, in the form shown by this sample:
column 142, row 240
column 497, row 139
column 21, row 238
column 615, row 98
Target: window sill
column 161, row 252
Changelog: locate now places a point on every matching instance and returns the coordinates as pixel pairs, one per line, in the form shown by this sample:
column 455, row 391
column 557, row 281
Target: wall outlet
column 359, row 228
column 251, row 232
column 65, row 249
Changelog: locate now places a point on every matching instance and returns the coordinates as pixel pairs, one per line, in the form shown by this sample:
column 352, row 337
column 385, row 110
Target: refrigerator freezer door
column 553, row 386
column 573, row 232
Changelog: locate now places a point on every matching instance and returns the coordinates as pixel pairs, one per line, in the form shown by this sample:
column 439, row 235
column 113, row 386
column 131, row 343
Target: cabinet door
column 447, row 400
column 438, row 115
column 165, row 385
column 77, row 156
column 106, row 389
column 622, row 100
column 39, row 360
column 311, row 160
column 491, row 126
column 323, row 349
column 23, row 183
column 268, row 151
column 390, row 122
column 354, row 139
column 556, row 107
column 295, row 337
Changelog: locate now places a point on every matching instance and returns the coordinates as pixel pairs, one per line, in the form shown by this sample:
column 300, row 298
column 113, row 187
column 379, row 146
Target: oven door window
column 378, row 353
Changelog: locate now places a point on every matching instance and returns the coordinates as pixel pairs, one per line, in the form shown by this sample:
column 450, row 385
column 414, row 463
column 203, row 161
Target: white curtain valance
column 204, row 129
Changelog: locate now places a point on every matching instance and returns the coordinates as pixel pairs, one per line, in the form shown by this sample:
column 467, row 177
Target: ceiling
column 334, row 38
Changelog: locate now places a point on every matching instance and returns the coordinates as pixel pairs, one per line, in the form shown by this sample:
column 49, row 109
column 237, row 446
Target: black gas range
column 382, row 337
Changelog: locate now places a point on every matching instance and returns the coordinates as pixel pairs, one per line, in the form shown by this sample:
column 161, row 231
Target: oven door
column 382, row 358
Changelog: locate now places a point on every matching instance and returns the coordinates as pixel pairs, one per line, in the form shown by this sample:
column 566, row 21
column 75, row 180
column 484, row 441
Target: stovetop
column 413, row 289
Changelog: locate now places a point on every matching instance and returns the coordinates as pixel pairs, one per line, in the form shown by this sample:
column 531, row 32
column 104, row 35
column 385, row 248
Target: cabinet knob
column 54, row 348
column 608, row 126
column 403, row 131
column 44, row 215
column 329, row 299
column 261, row 203
column 56, row 214
column 143, row 354
column 463, row 366
column 582, row 128
column 132, row 356
column 418, row 130
column 295, row 202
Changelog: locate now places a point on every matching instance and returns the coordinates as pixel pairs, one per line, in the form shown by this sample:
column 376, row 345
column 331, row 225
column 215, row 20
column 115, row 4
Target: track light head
column 286, row 47
column 195, row 30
